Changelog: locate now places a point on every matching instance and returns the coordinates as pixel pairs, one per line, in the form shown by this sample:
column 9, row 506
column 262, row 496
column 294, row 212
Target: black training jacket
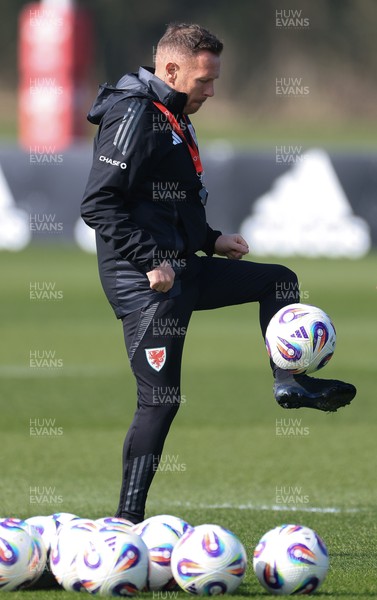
column 142, row 196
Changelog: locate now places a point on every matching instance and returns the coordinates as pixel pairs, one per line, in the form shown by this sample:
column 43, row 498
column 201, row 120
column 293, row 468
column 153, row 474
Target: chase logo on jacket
column 115, row 163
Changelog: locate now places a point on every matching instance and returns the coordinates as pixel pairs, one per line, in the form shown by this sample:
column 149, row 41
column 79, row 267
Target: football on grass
column 208, row 560
column 160, row 534
column 291, row 559
column 22, row 555
column 64, row 549
column 113, row 563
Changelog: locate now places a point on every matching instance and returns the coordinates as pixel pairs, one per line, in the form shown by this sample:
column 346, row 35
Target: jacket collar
column 173, row 100
column 143, row 84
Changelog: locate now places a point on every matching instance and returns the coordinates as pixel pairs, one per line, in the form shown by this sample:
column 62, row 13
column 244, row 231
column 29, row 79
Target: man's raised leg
column 228, row 282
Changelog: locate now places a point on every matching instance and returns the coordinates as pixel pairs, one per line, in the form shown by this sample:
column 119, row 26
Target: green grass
column 231, row 465
column 247, row 128
column 265, row 133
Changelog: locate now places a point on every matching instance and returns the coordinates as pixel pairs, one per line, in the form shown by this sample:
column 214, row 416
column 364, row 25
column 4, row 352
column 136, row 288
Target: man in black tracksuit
column 146, row 198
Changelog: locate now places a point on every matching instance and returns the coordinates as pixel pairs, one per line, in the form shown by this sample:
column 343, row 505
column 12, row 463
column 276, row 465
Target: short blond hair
column 188, row 39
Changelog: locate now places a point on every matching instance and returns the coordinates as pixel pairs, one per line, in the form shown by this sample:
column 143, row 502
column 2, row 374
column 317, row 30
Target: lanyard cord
column 194, row 151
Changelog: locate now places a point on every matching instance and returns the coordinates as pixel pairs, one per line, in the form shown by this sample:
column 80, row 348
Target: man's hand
column 232, row 245
column 161, row 279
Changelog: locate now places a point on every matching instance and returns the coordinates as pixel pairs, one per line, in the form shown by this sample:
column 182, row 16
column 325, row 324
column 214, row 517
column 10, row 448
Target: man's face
column 195, row 75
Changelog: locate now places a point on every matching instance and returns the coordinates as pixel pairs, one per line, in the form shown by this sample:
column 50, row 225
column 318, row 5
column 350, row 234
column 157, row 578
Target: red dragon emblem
column 156, row 357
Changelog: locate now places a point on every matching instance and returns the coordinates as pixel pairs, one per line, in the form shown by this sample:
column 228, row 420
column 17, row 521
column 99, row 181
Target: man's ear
column 171, row 70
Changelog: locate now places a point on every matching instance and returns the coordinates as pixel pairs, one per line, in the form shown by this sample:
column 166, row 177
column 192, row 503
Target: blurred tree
column 9, row 11
column 335, row 55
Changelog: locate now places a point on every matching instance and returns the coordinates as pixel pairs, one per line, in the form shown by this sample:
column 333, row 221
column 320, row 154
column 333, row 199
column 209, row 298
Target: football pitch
column 233, row 456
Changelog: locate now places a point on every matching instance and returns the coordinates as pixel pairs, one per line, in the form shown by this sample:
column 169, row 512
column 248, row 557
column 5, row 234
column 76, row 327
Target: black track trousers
column 161, row 328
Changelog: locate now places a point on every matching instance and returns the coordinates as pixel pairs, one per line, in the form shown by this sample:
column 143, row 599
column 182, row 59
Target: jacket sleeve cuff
column 209, row 246
column 155, row 260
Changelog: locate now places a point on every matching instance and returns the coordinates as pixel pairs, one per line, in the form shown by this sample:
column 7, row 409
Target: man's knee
column 167, row 396
column 285, row 274
column 155, row 420
column 286, row 285
column 159, row 395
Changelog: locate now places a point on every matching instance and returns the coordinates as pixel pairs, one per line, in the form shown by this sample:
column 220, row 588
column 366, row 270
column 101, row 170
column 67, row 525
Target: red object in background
column 46, row 114
column 55, row 58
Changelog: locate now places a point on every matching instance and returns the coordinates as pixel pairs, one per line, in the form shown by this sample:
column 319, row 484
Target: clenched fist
column 231, row 245
column 161, row 278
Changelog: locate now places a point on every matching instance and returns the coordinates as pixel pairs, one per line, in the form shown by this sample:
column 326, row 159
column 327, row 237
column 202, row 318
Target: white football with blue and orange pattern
column 300, row 338
column 291, row 559
column 209, row 560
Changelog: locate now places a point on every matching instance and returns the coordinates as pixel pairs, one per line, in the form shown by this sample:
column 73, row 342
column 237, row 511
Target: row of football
column 112, row 557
